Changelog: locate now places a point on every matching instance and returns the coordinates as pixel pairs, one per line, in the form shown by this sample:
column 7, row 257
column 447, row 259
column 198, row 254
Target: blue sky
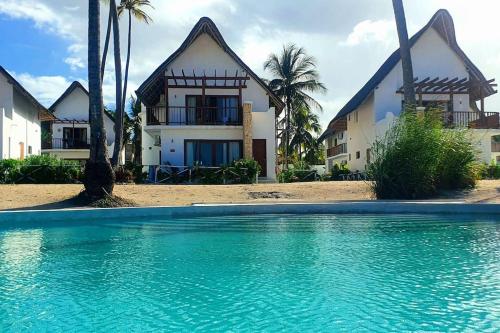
column 44, row 41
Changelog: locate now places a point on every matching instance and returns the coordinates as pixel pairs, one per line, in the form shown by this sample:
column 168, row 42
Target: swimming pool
column 253, row 273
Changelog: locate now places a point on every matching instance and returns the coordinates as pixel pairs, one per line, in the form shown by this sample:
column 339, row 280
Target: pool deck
column 344, row 207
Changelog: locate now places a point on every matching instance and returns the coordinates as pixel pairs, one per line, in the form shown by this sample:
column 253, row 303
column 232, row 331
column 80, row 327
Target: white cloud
column 74, row 63
column 371, row 31
column 45, row 88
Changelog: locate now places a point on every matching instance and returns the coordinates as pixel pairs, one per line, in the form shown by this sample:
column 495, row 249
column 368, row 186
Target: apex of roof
column 205, row 25
column 443, row 23
column 66, row 93
column 24, row 92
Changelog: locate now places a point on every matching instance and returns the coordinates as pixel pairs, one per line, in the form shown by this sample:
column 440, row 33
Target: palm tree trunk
column 287, row 130
column 99, row 176
column 118, row 75
column 106, row 44
column 404, row 48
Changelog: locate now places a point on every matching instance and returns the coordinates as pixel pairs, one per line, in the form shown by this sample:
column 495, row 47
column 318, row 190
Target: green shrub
column 338, row 171
column 42, row 169
column 491, row 171
column 299, row 172
column 418, row 157
column 246, row 170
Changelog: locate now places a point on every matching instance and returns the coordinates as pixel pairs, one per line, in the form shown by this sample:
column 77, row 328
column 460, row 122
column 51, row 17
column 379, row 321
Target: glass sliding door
column 212, row 153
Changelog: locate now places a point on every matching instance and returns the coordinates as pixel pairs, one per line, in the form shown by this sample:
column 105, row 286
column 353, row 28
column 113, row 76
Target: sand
column 59, row 196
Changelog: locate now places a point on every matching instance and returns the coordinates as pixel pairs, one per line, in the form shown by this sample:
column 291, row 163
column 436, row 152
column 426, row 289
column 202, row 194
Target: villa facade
column 204, row 106
column 445, row 79
column 20, row 119
column 67, row 136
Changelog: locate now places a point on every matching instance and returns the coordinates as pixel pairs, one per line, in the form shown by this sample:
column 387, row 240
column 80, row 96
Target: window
column 368, row 157
column 356, row 116
column 358, row 155
column 74, row 138
column 30, row 150
column 211, row 153
column 157, row 141
column 349, row 157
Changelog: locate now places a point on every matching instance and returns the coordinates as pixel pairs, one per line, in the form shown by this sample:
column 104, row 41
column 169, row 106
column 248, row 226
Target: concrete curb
column 351, row 207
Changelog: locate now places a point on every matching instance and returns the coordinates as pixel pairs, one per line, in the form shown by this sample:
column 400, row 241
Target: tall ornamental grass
column 418, row 157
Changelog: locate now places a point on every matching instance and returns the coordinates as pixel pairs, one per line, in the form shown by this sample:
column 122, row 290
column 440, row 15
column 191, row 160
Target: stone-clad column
column 247, row 130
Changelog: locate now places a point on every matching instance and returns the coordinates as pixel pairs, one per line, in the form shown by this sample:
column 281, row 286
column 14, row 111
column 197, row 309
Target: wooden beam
column 184, row 76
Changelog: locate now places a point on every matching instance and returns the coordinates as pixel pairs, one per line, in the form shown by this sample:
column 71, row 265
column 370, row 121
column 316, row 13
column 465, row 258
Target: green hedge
column 418, row 157
column 42, row 169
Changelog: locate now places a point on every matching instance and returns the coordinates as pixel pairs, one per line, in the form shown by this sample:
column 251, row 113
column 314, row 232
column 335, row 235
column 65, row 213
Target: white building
column 20, row 117
column 68, row 135
column 446, row 78
column 218, row 110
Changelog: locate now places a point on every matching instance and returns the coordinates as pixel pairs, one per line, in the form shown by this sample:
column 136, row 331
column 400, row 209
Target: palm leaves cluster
column 295, row 78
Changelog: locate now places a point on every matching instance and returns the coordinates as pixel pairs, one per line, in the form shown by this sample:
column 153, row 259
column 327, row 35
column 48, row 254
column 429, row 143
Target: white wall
column 263, row 127
column 6, row 106
column 431, row 57
column 360, row 134
column 204, row 56
column 20, row 125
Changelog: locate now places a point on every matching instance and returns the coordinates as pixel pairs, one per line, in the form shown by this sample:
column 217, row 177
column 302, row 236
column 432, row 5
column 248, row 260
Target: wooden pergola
column 237, row 81
column 453, row 86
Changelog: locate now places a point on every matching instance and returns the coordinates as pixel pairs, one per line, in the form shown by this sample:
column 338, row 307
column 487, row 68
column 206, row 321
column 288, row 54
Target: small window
column 341, row 135
column 368, row 157
column 157, row 140
column 30, row 150
column 349, row 157
column 358, row 155
column 356, row 116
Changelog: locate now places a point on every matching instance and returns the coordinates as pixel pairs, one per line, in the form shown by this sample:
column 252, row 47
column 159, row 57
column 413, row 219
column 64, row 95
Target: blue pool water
column 255, row 273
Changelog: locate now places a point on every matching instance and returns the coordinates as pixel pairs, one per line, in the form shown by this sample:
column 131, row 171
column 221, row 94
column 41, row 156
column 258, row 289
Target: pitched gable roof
column 442, row 22
column 72, row 87
column 43, row 112
column 204, row 26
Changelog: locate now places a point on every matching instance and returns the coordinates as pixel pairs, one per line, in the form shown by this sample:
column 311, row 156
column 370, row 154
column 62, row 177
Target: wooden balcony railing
column 58, row 143
column 468, row 119
column 180, row 115
column 337, row 150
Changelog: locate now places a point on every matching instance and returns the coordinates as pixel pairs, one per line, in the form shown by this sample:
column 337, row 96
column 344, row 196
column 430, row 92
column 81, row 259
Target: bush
column 299, row 172
column 338, row 171
column 491, row 171
column 42, row 169
column 418, row 157
column 246, row 170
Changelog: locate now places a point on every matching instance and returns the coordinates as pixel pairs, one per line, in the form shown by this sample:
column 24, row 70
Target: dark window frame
column 213, row 148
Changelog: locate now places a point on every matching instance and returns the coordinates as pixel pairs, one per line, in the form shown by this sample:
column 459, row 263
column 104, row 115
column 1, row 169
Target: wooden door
column 21, row 150
column 259, row 154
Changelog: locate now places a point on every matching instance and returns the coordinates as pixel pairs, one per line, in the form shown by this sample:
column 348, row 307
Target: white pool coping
column 339, row 207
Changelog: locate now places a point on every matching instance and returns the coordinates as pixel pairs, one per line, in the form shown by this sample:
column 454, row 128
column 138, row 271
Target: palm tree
column 134, row 7
column 118, row 79
column 295, row 77
column 136, row 128
column 404, row 49
column 99, row 175
column 303, row 124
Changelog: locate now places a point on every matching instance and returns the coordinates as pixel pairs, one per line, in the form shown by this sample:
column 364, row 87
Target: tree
column 134, row 7
column 303, row 123
column 136, row 128
column 404, row 49
column 118, row 78
column 295, row 77
column 99, row 175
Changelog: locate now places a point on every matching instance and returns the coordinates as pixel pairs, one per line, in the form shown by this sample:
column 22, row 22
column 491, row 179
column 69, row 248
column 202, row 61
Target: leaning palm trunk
column 106, row 44
column 99, row 176
column 404, row 48
column 118, row 75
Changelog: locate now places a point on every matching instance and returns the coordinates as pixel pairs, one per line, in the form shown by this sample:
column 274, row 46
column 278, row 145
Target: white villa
column 20, row 118
column 445, row 78
column 217, row 109
column 67, row 136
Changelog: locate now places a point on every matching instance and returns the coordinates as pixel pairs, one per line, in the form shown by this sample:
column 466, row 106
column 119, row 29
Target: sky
column 44, row 41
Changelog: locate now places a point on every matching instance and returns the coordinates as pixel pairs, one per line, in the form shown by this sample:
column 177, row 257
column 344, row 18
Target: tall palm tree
column 295, row 77
column 404, row 49
column 118, row 82
column 99, row 175
column 135, row 119
column 134, row 8
column 303, row 124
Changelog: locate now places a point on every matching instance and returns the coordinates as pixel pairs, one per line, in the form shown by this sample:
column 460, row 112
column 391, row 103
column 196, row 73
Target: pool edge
column 350, row 207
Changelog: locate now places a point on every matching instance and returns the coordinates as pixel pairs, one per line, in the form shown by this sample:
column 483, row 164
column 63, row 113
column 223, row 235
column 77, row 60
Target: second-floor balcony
column 471, row 119
column 58, row 143
column 179, row 115
column 337, row 150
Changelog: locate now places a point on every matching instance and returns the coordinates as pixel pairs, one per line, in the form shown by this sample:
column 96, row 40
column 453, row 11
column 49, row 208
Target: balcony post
column 166, row 99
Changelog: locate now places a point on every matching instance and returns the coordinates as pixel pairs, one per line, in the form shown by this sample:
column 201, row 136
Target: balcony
column 337, row 150
column 474, row 120
column 180, row 115
column 61, row 144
